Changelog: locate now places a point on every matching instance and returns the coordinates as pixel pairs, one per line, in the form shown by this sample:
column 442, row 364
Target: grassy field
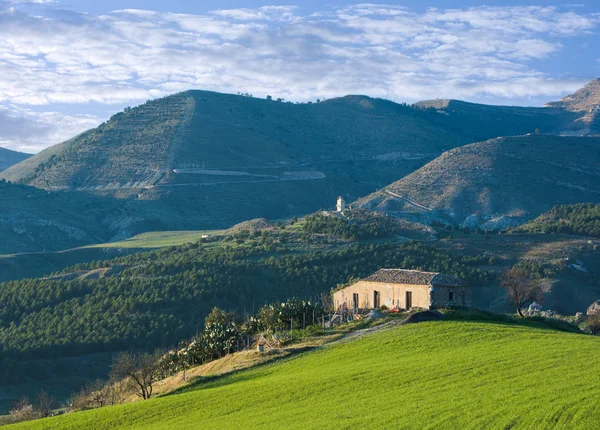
column 159, row 239
column 452, row 374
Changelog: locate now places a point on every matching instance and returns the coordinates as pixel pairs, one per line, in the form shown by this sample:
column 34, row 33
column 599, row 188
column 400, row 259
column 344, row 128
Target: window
column 451, row 295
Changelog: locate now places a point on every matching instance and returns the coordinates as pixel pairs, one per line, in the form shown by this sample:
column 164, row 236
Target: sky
column 67, row 66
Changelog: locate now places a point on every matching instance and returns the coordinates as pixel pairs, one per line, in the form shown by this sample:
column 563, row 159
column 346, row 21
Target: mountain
column 585, row 101
column 9, row 158
column 496, row 183
column 201, row 138
column 203, row 160
column 199, row 160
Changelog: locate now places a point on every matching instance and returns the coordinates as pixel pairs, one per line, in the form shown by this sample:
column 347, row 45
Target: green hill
column 497, row 183
column 450, row 374
column 9, row 158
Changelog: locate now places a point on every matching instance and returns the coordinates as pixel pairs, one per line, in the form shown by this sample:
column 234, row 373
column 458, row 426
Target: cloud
column 57, row 57
column 268, row 13
column 27, row 131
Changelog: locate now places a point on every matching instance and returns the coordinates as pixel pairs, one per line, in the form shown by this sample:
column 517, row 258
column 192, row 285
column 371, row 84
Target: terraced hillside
column 204, row 160
column 497, row 183
column 9, row 158
column 447, row 374
column 205, row 138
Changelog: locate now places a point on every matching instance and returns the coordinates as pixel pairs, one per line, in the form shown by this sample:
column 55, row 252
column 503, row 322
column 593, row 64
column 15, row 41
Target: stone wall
column 440, row 297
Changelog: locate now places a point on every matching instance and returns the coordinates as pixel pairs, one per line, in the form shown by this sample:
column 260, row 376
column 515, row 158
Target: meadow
column 449, row 374
column 159, row 239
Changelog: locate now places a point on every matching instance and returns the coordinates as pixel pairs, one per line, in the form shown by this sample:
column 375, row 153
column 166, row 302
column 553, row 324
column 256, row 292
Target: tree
column 45, row 404
column 219, row 316
column 520, row 287
column 141, row 370
column 593, row 322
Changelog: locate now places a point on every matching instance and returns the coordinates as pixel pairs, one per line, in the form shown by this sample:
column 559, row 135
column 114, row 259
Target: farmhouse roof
column 414, row 277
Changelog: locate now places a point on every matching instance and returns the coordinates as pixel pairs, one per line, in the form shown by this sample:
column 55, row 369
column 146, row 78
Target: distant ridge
column 9, row 158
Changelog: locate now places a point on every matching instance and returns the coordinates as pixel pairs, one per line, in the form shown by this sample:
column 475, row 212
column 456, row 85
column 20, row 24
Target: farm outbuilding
column 404, row 289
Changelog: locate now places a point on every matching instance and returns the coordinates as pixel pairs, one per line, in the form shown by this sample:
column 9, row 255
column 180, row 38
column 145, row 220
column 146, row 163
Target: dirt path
column 357, row 334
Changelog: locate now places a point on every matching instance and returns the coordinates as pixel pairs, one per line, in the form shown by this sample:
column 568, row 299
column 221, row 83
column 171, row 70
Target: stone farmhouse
column 404, row 289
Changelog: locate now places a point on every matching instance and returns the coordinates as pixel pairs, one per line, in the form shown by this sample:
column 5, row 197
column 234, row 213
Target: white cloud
column 28, row 131
column 58, row 57
column 268, row 13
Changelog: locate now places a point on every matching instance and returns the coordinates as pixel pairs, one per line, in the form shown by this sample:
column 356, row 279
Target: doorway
column 408, row 300
column 355, row 301
column 376, row 299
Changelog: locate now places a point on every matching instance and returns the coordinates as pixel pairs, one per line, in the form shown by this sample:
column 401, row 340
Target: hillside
column 203, row 160
column 9, row 158
column 584, row 99
column 157, row 298
column 500, row 370
column 33, row 220
column 580, row 219
column 496, row 183
column 494, row 121
column 152, row 299
column 203, row 138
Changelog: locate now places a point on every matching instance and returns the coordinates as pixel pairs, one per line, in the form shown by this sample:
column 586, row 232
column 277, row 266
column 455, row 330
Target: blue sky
column 66, row 66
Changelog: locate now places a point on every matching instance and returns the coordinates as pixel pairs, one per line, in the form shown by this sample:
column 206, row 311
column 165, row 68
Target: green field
column 451, row 374
column 159, row 239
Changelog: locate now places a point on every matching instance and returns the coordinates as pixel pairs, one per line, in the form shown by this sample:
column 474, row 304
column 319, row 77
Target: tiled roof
column 414, row 277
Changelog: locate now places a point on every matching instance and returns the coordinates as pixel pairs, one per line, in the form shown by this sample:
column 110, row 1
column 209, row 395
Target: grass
column 450, row 374
column 159, row 239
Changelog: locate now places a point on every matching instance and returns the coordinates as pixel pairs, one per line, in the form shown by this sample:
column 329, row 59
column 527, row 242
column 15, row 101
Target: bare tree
column 593, row 323
column 520, row 287
column 141, row 370
column 45, row 404
column 98, row 394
